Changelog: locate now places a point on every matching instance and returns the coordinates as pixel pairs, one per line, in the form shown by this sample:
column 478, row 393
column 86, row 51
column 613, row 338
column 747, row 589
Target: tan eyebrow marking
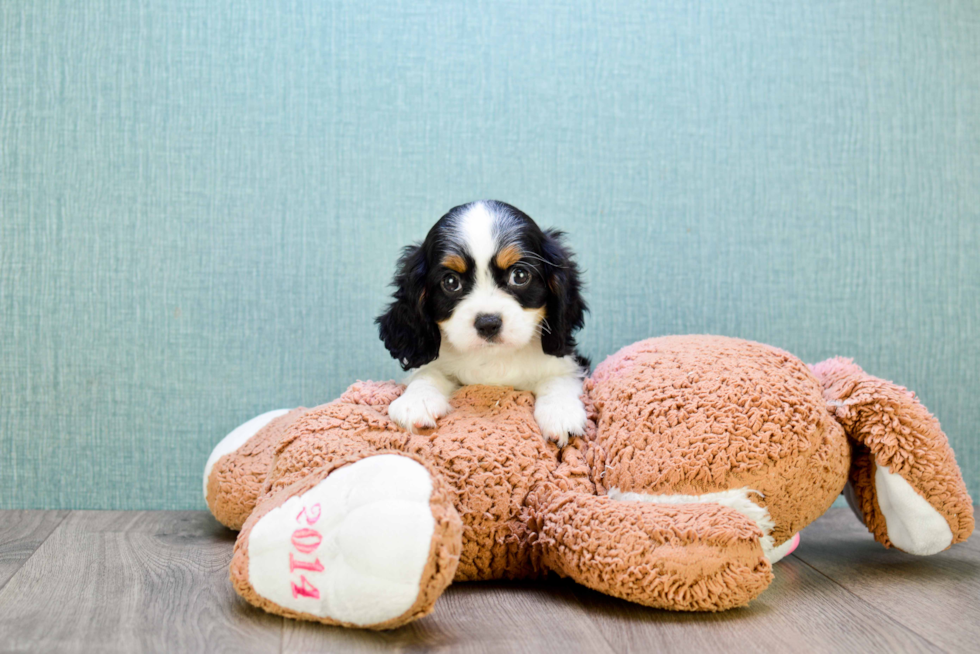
column 455, row 262
column 508, row 257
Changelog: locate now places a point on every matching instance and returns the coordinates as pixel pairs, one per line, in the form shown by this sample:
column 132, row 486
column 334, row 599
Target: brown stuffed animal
column 704, row 458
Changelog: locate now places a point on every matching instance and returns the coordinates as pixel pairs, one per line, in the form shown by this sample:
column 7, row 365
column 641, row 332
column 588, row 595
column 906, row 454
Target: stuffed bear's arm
column 687, row 557
column 904, row 478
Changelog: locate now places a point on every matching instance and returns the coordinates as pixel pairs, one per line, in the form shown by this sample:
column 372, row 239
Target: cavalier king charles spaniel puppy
column 488, row 298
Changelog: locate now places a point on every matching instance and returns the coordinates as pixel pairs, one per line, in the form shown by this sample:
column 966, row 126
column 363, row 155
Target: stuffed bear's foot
column 371, row 544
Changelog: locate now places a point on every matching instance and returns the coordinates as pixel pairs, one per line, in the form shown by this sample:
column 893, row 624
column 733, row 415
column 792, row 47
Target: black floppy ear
column 410, row 334
column 565, row 308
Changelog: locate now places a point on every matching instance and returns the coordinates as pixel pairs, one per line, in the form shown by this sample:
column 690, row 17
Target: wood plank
column 936, row 596
column 475, row 618
column 21, row 533
column 125, row 582
column 122, row 581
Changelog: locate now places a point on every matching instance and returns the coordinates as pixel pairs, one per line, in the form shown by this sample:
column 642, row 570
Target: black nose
column 488, row 325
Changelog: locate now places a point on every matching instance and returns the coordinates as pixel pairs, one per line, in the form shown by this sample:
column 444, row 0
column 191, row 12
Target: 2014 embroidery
column 306, row 540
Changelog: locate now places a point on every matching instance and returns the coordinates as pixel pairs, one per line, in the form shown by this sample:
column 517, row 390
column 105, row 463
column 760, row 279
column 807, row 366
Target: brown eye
column 519, row 277
column 451, row 283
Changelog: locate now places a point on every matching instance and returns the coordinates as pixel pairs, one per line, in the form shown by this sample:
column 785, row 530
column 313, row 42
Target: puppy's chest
column 520, row 370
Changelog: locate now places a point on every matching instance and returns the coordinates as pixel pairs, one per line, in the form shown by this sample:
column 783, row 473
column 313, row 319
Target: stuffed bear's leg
column 904, row 479
column 369, row 544
column 691, row 557
column 235, row 472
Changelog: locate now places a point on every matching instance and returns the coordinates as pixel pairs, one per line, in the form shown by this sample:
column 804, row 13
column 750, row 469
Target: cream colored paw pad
column 913, row 525
column 353, row 548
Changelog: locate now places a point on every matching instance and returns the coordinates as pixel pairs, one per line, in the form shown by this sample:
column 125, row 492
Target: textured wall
column 201, row 200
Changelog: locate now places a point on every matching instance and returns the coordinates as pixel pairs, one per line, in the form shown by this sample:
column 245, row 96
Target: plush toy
column 704, row 458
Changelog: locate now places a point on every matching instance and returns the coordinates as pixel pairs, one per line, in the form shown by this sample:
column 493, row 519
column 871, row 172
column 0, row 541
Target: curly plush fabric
column 893, row 430
column 688, row 557
column 238, row 479
column 491, row 474
column 701, row 454
column 691, row 415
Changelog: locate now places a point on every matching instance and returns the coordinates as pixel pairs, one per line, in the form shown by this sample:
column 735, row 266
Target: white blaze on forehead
column 475, row 229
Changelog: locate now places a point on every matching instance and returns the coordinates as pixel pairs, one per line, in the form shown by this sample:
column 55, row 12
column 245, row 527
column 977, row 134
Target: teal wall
column 201, row 200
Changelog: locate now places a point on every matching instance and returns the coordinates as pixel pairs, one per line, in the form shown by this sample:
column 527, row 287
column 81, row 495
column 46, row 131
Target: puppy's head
column 486, row 276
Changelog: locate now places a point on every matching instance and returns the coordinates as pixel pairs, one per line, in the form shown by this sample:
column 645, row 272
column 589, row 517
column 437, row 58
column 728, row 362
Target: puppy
column 488, row 298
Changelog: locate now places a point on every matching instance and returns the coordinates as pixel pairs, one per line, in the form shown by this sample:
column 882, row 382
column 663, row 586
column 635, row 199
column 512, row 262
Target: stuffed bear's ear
column 565, row 308
column 410, row 334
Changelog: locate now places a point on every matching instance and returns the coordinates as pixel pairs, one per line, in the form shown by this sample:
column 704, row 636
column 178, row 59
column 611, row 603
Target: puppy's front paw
column 560, row 416
column 418, row 409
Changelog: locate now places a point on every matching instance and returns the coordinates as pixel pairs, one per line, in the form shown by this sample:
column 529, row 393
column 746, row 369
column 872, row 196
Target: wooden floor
column 157, row 581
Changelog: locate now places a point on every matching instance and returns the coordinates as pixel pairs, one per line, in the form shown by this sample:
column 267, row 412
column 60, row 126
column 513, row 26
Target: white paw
column 560, row 416
column 913, row 525
column 418, row 409
column 353, row 548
